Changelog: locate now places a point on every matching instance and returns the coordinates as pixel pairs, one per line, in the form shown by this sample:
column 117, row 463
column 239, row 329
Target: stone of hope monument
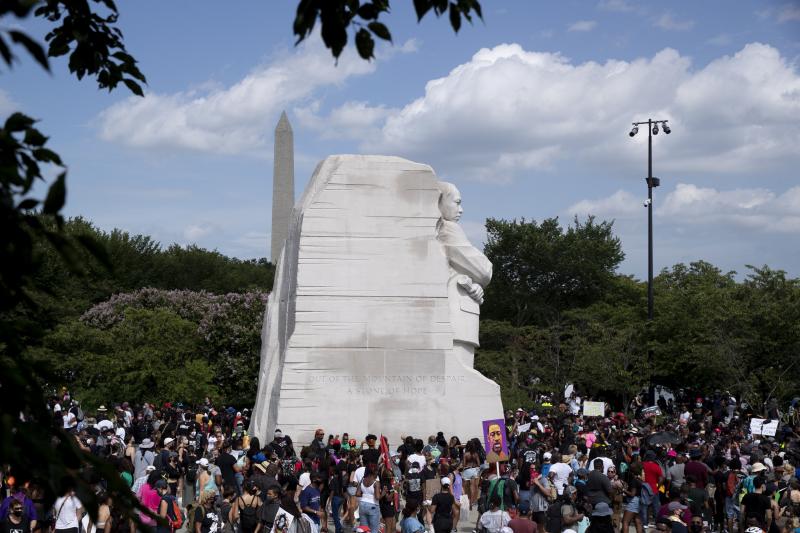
column 372, row 323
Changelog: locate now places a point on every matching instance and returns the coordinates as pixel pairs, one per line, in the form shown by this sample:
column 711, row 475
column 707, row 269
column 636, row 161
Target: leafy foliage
column 28, row 440
column 336, row 17
column 226, row 332
column 541, row 269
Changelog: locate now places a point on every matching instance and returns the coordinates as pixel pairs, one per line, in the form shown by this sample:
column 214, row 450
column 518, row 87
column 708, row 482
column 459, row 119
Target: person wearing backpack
column 168, row 509
column 246, row 507
column 563, row 513
column 734, row 480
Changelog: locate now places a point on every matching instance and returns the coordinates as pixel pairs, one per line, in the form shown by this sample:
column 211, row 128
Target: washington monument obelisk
column 282, row 185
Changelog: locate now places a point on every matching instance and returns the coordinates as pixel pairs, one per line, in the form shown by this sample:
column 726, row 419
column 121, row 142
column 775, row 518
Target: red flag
column 385, row 452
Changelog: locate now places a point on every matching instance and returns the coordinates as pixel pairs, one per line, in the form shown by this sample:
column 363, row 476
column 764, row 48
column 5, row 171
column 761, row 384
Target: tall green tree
column 541, row 269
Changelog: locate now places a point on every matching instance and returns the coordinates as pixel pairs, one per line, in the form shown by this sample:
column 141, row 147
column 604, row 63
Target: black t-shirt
column 7, row 526
column 444, row 504
column 756, row 506
column 225, row 463
column 340, row 479
column 281, row 447
column 208, row 518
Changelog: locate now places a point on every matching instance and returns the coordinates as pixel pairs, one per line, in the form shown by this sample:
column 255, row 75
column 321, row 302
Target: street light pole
column 652, row 183
column 650, row 186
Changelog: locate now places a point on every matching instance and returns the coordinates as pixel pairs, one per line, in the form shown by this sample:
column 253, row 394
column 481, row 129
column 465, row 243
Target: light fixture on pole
column 652, row 183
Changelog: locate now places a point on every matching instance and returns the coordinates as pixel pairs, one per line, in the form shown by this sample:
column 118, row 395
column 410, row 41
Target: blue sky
column 527, row 112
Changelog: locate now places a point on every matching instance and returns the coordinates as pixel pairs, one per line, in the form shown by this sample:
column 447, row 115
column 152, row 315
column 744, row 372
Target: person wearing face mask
column 16, row 521
column 696, row 525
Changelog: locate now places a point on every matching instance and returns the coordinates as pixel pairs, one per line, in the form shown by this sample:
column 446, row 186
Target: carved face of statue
column 450, row 205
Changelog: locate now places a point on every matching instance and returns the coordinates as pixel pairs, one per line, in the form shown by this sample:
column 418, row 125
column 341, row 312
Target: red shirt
column 652, row 471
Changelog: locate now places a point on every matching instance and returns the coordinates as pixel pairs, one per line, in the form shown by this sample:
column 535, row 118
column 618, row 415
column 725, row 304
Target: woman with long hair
column 632, row 493
column 471, row 462
column 368, row 493
column 245, row 509
column 389, row 501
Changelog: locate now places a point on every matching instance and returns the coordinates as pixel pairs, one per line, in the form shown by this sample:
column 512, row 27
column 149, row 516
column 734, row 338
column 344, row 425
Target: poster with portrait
column 494, row 440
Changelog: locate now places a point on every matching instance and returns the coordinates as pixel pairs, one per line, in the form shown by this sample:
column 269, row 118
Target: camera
column 647, row 202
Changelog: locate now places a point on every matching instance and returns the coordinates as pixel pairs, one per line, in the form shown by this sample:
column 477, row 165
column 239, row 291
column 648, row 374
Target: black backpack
column 553, row 516
column 248, row 515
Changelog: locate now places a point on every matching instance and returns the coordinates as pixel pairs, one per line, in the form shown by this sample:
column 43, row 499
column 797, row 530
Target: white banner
column 763, row 426
column 594, row 409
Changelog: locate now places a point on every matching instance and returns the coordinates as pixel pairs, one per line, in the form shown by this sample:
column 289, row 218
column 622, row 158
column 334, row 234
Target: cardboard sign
column 494, row 440
column 763, row 426
column 524, row 427
column 594, row 409
column 432, row 487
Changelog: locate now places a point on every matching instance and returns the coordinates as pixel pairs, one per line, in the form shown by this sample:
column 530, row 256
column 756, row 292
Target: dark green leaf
column 380, row 30
column 56, row 196
column 368, row 12
column 134, row 87
column 18, row 122
column 334, row 32
column 34, row 48
column 5, row 52
column 47, row 156
column 422, row 7
column 364, row 44
column 27, row 204
column 455, row 17
column 34, row 137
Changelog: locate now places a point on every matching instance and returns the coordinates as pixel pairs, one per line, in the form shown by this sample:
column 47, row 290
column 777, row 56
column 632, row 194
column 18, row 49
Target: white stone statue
column 373, row 319
column 470, row 272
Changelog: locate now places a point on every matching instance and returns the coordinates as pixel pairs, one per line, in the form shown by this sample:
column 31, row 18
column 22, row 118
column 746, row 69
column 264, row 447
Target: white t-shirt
column 70, row 420
column 607, row 463
column 494, row 521
column 57, row 408
column 212, row 443
column 417, row 458
column 562, row 472
column 66, row 512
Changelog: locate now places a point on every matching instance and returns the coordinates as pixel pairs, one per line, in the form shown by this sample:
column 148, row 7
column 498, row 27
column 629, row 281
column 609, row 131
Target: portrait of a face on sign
column 494, row 440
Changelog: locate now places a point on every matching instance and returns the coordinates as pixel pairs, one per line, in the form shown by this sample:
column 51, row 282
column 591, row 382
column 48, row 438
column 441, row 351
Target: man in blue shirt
column 309, row 500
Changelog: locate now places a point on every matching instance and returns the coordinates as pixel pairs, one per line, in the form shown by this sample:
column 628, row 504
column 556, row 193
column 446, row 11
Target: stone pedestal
column 357, row 336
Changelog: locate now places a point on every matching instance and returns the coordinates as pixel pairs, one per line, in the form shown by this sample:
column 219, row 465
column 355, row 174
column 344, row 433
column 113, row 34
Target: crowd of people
column 689, row 466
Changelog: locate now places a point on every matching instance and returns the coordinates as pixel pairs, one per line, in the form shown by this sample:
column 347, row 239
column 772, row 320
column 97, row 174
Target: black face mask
column 17, row 512
column 695, row 528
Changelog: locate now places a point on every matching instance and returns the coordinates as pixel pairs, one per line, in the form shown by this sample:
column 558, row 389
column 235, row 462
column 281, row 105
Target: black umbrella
column 663, row 437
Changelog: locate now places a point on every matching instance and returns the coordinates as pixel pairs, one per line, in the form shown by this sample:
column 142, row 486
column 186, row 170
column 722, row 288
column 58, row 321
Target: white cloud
column 239, row 118
column 509, row 111
column 690, row 205
column 621, row 204
column 195, row 232
column 668, row 22
column 352, row 120
column 582, row 25
column 789, row 13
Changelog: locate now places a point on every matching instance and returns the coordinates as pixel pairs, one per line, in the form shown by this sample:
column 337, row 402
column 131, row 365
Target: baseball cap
column 445, row 481
column 676, row 505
